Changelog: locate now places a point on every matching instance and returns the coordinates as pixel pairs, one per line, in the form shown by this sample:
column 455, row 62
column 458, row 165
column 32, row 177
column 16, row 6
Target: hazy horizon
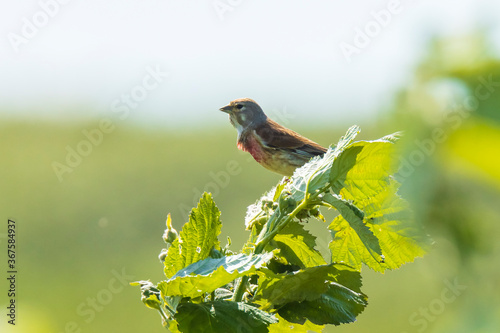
column 84, row 57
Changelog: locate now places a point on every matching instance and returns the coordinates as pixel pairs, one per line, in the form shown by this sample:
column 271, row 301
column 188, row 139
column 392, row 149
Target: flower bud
column 170, row 234
column 216, row 254
column 286, row 203
column 163, row 255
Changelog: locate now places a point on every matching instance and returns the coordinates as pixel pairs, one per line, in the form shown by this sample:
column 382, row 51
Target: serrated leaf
column 297, row 246
column 361, row 243
column 361, row 174
column 276, row 290
column 385, row 237
column 347, row 276
column 363, row 169
column 222, row 316
column 317, row 171
column 197, row 238
column 390, row 219
column 337, row 306
column 207, row 275
column 285, row 326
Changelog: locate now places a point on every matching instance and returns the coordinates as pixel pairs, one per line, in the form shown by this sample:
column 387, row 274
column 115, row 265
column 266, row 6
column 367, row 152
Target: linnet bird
column 275, row 147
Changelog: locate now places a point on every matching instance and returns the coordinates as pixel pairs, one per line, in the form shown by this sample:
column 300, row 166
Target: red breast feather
column 250, row 144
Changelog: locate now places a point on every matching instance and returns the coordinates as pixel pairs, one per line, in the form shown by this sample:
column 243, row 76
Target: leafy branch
column 279, row 280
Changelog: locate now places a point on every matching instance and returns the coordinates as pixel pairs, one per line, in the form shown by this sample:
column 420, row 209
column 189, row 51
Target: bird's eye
column 239, row 106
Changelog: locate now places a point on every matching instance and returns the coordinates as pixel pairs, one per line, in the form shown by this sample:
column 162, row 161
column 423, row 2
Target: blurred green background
column 83, row 235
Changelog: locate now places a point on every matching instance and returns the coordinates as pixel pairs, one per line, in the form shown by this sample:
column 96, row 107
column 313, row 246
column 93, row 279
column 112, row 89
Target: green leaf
column 337, row 306
column 222, row 316
column 308, row 293
column 360, row 242
column 285, row 326
column 391, row 221
column 375, row 226
column 363, row 169
column 310, row 284
column 197, row 238
column 278, row 289
column 172, row 326
column 346, row 276
column 207, row 275
column 297, row 246
column 317, row 171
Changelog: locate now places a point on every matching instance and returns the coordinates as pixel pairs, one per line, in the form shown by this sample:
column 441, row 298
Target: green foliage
column 280, row 280
column 207, row 275
column 297, row 246
column 314, row 290
column 222, row 316
column 197, row 237
column 374, row 226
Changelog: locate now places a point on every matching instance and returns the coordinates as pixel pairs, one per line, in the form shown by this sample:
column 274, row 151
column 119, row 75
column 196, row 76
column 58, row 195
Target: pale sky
column 79, row 59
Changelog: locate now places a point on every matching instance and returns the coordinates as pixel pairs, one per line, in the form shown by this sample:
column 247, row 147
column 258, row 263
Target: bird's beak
column 226, row 109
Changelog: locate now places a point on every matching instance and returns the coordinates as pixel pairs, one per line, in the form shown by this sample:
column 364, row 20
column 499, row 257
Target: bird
column 273, row 146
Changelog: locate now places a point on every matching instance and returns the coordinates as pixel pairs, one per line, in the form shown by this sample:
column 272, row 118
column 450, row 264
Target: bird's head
column 244, row 113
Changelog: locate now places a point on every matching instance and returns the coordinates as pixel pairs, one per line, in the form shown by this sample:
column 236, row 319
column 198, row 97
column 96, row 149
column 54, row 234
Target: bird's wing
column 273, row 135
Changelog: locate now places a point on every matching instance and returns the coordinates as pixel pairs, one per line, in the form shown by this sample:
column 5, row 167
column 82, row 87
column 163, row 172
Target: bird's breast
column 250, row 144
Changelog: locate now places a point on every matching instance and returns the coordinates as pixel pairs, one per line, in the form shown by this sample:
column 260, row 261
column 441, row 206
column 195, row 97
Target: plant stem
column 240, row 289
column 279, row 226
column 162, row 314
column 269, row 235
column 172, row 312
